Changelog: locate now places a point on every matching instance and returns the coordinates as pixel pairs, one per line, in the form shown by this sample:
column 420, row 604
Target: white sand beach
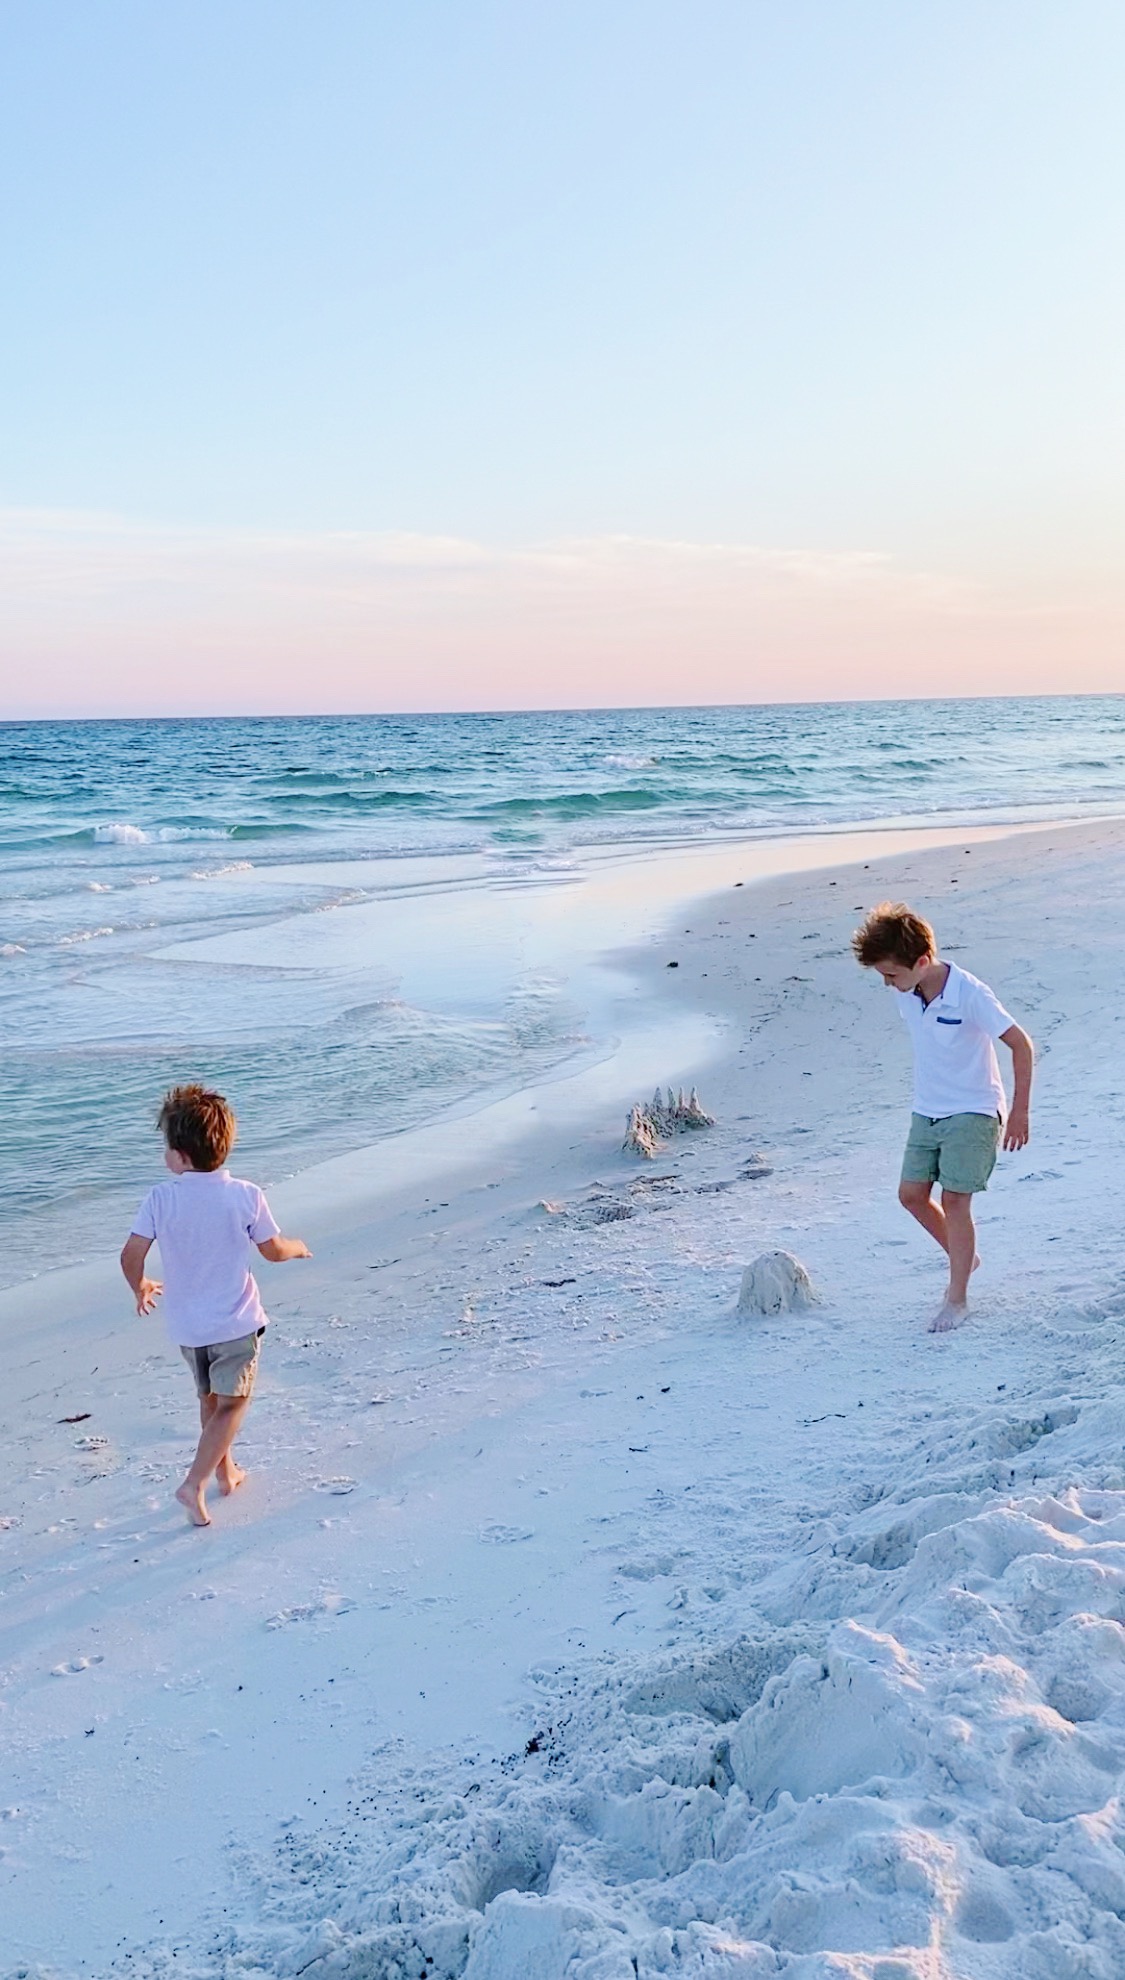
column 568, row 1626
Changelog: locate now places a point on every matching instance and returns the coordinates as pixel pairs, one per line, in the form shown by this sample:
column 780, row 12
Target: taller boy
column 954, row 1021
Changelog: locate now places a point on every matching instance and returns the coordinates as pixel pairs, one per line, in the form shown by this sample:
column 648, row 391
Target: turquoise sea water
column 126, row 848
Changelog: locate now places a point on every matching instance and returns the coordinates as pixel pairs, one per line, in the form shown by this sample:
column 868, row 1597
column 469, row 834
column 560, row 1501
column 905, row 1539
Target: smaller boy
column 205, row 1221
column 954, row 1020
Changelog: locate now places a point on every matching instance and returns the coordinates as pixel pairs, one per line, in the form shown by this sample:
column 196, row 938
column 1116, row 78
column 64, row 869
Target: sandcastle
column 665, row 1114
column 775, row 1283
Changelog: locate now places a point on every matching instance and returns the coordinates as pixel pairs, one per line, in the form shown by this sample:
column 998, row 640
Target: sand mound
column 922, row 1784
column 775, row 1283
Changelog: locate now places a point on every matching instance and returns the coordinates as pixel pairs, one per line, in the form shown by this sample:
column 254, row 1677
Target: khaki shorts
column 226, row 1369
column 958, row 1152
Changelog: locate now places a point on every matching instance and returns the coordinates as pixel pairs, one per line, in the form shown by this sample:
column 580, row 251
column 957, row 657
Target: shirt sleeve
column 261, row 1225
column 144, row 1223
column 986, row 1010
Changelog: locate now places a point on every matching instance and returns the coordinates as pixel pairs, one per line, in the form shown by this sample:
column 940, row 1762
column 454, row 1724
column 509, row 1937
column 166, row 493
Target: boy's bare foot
column 192, row 1500
column 229, row 1476
column 950, row 1314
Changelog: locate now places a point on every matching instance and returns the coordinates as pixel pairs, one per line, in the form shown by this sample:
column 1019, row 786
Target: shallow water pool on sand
column 351, row 1001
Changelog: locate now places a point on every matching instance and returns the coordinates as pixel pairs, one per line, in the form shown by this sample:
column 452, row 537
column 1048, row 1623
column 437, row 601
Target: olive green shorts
column 958, row 1152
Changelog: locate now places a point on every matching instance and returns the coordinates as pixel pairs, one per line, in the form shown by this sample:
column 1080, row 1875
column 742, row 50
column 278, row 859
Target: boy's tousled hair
column 199, row 1124
column 892, row 932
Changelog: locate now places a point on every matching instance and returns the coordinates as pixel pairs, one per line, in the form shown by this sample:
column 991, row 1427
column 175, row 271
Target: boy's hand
column 146, row 1292
column 1017, row 1134
column 278, row 1250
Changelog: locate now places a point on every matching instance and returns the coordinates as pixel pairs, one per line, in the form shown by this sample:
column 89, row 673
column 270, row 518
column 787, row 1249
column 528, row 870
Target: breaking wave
column 123, row 834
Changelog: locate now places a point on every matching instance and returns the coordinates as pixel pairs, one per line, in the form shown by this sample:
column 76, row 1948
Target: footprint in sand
column 329, row 1605
column 496, row 1535
column 302, row 1613
column 336, row 1485
column 77, row 1664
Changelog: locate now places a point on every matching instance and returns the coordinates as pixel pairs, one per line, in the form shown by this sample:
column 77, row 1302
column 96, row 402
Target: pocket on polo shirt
column 950, row 1020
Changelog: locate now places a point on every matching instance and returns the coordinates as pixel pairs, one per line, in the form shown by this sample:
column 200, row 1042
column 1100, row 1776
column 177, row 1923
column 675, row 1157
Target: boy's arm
column 146, row 1292
column 278, row 1249
column 263, row 1232
column 1018, row 1131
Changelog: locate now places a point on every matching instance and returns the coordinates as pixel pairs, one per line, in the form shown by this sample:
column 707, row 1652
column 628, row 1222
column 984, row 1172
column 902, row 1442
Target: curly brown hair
column 199, row 1124
column 892, row 932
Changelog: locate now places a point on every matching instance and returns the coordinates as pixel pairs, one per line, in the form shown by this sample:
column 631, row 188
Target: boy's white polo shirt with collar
column 955, row 1066
column 205, row 1222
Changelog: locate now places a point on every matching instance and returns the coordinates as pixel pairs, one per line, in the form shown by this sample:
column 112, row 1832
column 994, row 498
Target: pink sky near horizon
column 98, row 616
column 497, row 357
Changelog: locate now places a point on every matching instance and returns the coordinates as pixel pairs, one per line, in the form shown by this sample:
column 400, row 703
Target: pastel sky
column 360, row 356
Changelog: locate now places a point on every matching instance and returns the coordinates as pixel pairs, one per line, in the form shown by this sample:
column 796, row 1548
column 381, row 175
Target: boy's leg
column 228, row 1474
column 961, row 1244
column 225, row 1382
column 917, row 1198
column 222, row 1422
column 919, row 1174
column 967, row 1159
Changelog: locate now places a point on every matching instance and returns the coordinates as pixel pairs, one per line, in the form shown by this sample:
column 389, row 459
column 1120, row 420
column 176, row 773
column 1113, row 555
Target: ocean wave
column 120, row 833
column 21, row 794
column 775, row 768
column 82, row 935
column 299, row 778
column 319, row 810
column 925, row 768
column 625, row 762
column 747, row 762
column 174, row 834
column 289, row 783
column 285, row 782
column 217, row 872
column 333, row 802
column 579, row 804
column 115, row 835
column 282, row 828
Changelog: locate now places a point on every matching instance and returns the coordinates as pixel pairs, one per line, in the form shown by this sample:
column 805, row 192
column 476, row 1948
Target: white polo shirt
column 955, row 1065
column 205, row 1225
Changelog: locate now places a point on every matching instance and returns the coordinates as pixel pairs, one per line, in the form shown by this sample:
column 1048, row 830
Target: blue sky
column 810, row 277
